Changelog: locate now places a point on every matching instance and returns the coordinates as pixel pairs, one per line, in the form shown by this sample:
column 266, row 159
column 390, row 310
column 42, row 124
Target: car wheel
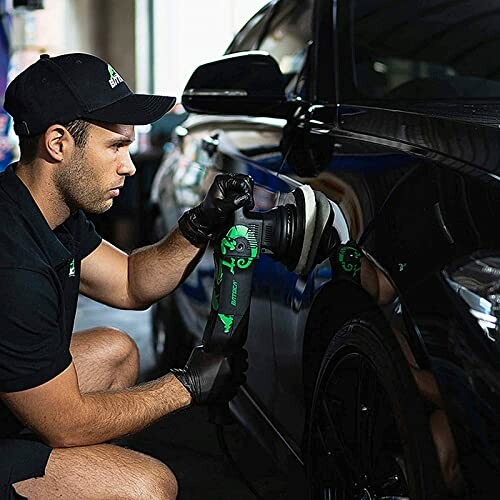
column 368, row 431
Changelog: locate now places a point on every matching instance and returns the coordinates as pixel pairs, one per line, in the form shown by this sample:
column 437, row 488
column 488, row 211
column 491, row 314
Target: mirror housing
column 246, row 83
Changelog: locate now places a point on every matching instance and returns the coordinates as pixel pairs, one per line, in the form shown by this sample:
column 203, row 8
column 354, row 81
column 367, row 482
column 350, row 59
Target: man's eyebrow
column 123, row 139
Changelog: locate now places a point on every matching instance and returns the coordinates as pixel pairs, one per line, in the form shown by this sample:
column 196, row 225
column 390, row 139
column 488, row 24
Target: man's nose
column 127, row 166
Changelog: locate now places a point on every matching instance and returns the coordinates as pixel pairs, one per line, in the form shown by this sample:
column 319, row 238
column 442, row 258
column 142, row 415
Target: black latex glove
column 212, row 378
column 227, row 193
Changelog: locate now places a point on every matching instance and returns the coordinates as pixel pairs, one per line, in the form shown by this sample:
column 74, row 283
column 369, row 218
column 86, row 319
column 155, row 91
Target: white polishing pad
column 309, row 225
column 324, row 217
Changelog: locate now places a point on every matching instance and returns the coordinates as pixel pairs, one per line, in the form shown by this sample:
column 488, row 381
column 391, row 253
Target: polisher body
column 298, row 233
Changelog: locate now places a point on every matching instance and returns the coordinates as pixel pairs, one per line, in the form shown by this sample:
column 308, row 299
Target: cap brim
column 135, row 109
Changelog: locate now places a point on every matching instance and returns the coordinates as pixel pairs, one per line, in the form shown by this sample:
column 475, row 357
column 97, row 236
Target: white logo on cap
column 114, row 77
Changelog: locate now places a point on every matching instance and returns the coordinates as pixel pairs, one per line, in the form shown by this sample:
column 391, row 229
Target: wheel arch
column 336, row 303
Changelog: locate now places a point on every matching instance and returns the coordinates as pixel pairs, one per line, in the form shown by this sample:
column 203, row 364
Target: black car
column 382, row 380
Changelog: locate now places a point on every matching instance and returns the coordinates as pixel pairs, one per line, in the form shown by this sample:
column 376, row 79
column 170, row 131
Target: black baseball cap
column 63, row 88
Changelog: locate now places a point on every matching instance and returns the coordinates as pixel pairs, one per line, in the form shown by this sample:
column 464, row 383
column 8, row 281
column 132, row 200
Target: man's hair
column 78, row 129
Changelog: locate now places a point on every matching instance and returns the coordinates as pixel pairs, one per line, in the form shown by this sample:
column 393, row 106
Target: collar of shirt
column 15, row 189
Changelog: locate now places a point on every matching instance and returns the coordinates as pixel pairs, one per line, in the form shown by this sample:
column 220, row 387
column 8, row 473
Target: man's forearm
column 110, row 414
column 156, row 270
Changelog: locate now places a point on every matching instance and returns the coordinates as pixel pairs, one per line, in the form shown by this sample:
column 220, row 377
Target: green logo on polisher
column 228, row 322
column 350, row 259
column 230, row 243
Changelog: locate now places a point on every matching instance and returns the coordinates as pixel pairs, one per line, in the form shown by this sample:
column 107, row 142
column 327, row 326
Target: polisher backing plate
column 309, row 215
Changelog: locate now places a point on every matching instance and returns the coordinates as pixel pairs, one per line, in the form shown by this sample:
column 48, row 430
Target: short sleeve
column 87, row 235
column 33, row 346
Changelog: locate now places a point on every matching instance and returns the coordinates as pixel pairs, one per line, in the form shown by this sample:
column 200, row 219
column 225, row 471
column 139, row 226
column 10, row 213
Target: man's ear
column 58, row 143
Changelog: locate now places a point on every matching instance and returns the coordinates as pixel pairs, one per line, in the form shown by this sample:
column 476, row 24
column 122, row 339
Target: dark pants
column 20, row 458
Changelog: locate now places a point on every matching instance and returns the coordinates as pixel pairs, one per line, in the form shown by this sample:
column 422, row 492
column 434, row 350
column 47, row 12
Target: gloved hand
column 227, row 193
column 211, row 377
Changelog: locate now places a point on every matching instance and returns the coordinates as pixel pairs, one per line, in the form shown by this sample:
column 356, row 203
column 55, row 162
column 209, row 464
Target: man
column 62, row 397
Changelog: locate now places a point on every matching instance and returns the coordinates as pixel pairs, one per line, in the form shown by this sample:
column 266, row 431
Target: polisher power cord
column 219, row 428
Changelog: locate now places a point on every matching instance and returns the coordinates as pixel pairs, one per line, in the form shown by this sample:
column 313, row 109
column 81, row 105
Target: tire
column 368, row 434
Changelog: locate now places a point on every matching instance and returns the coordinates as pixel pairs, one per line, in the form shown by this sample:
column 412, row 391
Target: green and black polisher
column 299, row 233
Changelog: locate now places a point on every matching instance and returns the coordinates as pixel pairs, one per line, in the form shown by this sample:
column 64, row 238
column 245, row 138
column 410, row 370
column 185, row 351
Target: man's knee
column 126, row 358
column 124, row 347
column 101, row 471
column 104, row 342
column 119, row 353
column 158, row 483
column 105, row 358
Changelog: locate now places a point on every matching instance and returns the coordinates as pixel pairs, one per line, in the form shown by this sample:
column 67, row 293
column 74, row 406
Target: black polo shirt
column 39, row 282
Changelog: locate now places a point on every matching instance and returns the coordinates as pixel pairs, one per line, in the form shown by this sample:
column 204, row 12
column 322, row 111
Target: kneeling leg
column 101, row 472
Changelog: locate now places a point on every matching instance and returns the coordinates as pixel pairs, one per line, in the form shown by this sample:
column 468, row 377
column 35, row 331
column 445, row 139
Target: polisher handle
column 235, row 257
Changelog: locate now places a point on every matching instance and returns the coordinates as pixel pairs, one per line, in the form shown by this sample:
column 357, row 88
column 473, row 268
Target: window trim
column 323, row 64
column 270, row 8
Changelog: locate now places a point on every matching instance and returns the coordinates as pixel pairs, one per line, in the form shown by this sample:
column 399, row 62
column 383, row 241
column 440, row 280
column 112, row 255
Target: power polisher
column 299, row 233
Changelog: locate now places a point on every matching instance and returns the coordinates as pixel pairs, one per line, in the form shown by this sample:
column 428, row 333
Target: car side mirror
column 246, row 83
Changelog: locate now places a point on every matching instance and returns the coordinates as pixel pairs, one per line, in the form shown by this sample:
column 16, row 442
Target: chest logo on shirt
column 72, row 271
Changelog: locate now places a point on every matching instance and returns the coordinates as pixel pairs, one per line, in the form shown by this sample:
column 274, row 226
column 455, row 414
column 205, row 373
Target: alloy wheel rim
column 356, row 448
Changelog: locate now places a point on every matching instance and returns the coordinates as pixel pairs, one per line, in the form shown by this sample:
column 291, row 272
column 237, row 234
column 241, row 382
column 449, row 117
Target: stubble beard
column 78, row 186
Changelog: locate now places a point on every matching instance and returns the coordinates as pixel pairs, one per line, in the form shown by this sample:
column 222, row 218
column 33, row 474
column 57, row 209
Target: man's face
column 94, row 174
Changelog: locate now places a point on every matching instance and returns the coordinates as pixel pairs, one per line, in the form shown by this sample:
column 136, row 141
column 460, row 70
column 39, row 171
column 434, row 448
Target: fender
column 337, row 302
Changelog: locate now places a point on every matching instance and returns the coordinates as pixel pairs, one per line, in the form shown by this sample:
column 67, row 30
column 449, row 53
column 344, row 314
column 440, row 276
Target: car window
column 248, row 37
column 427, row 49
column 288, row 37
column 284, row 30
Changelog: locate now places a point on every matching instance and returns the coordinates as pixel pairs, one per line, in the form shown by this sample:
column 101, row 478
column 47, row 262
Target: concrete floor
column 185, row 441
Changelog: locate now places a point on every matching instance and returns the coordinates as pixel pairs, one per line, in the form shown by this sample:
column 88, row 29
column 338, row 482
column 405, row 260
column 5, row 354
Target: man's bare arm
column 63, row 417
column 156, row 270
column 110, row 276
column 136, row 281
